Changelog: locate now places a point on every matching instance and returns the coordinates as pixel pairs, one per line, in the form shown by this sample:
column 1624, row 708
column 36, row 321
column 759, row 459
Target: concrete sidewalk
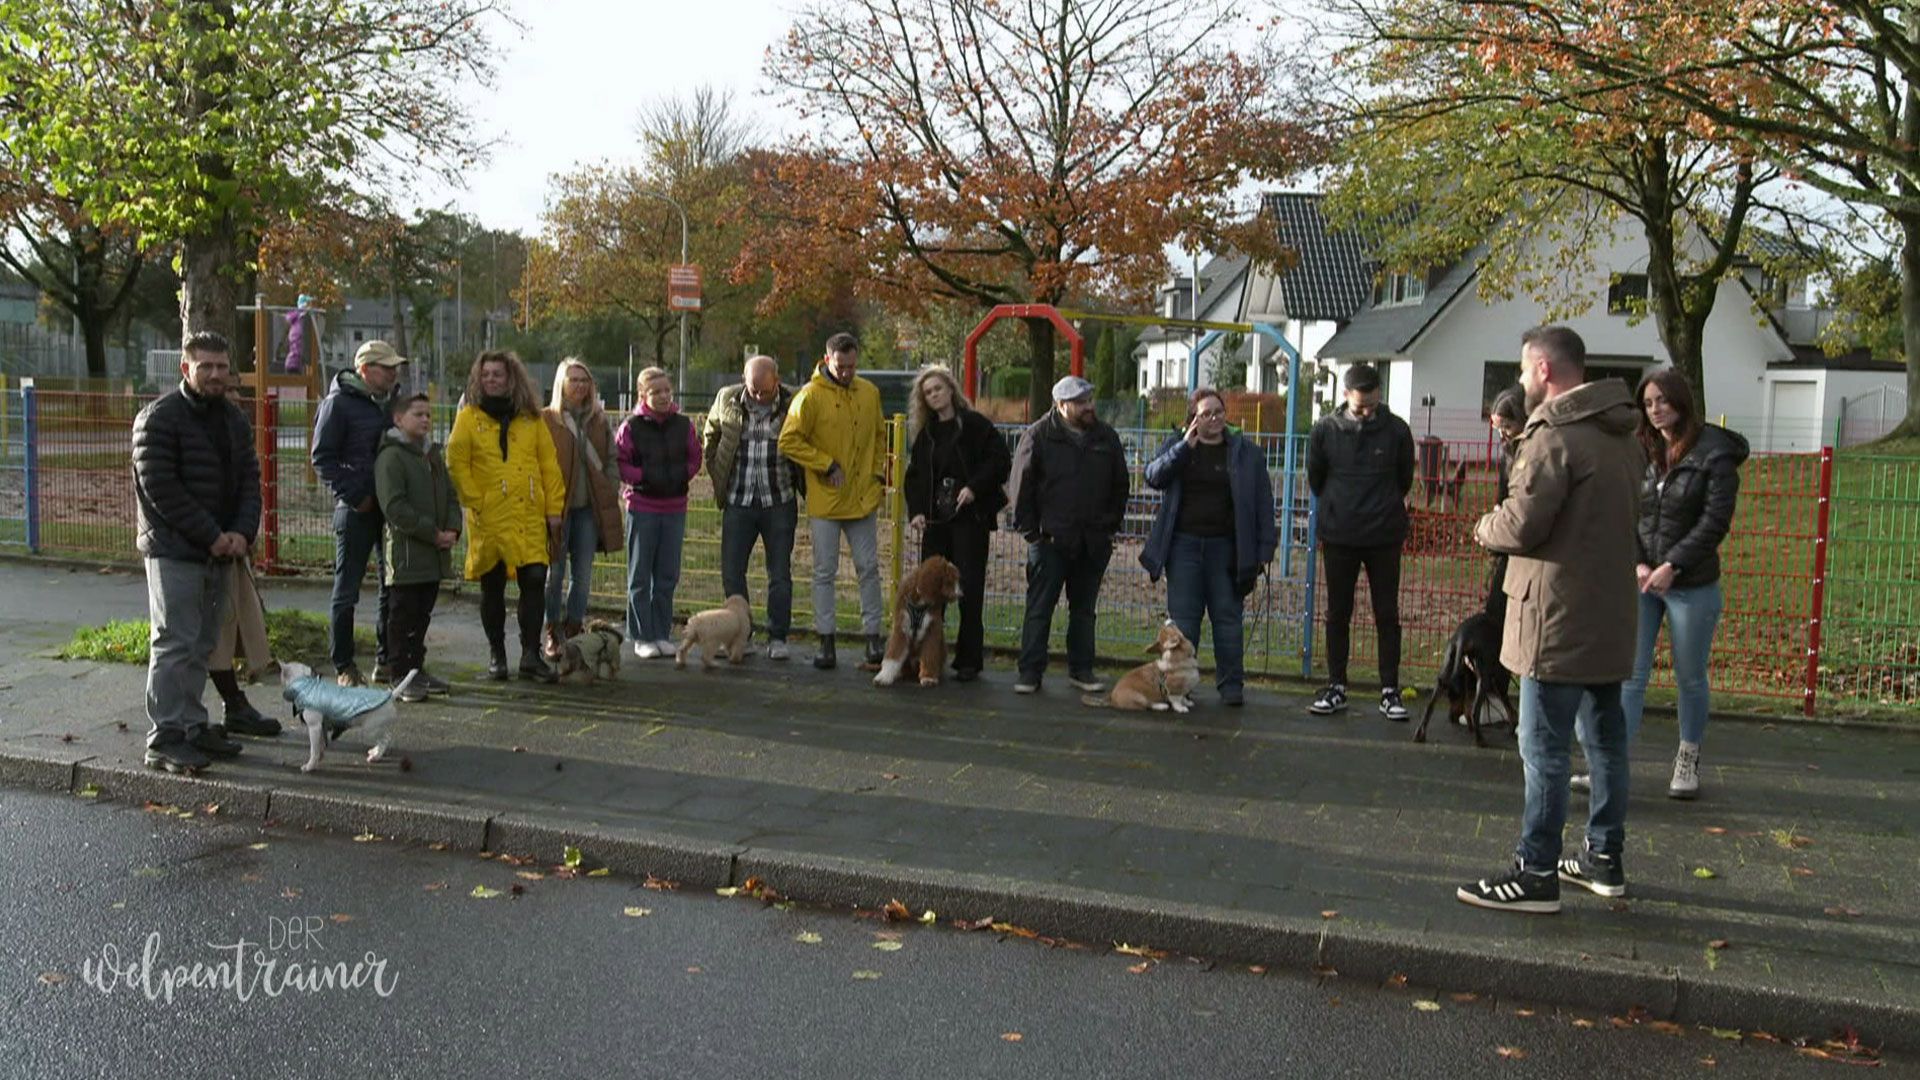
column 1263, row 834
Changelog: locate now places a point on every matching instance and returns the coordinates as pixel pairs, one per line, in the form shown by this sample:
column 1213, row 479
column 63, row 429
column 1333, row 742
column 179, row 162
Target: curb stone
column 1427, row 960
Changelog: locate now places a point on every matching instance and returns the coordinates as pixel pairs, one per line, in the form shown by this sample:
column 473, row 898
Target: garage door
column 1793, row 417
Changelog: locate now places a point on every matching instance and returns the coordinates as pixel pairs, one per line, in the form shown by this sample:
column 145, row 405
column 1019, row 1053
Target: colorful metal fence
column 1821, row 570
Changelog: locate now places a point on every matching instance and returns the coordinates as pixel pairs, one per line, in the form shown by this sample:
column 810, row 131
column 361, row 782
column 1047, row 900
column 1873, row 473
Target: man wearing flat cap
column 347, row 431
column 1069, row 496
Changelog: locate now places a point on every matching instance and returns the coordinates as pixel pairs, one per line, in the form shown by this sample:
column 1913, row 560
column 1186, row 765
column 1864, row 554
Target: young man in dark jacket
column 197, row 484
column 423, row 523
column 1360, row 467
column 1070, row 481
column 346, row 437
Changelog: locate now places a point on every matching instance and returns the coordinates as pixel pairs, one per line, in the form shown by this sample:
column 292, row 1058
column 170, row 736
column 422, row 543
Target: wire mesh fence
column 66, row 489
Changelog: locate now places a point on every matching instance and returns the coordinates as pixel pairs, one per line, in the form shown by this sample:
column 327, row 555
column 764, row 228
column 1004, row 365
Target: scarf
column 502, row 411
column 573, row 421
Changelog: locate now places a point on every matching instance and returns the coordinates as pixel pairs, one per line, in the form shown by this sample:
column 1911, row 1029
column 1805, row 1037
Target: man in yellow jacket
column 834, row 430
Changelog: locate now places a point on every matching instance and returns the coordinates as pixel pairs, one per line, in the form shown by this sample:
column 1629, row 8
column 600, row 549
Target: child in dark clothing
column 423, row 522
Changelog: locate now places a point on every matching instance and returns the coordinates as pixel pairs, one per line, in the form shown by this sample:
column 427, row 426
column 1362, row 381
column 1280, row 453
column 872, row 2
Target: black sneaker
column 876, row 649
column 1390, row 706
column 1595, row 872
column 244, row 719
column 1515, row 890
column 435, row 687
column 1331, row 700
column 213, row 742
column 176, row 755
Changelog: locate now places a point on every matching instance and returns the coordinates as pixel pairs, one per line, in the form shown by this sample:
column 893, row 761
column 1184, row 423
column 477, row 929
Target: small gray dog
column 328, row 710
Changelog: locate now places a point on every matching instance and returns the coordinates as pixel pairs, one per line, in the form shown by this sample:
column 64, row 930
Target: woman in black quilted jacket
column 1686, row 509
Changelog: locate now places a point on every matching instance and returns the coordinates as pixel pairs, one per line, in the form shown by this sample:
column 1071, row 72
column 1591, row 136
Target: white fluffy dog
column 722, row 629
column 328, row 709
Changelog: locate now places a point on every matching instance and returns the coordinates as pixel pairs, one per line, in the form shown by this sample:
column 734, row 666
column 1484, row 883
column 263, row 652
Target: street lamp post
column 682, row 391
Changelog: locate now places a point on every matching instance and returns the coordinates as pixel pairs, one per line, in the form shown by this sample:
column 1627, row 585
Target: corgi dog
column 1160, row 684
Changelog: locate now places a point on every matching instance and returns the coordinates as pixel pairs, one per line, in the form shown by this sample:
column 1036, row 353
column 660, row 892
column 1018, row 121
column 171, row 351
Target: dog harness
column 916, row 618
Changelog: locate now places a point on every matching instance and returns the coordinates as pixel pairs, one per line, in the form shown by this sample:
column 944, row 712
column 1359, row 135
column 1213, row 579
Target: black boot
column 213, row 742
column 242, row 717
column 824, row 658
column 876, row 649
column 497, row 663
column 533, row 667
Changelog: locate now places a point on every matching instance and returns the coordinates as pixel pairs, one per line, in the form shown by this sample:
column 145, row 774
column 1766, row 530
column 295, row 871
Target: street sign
column 683, row 288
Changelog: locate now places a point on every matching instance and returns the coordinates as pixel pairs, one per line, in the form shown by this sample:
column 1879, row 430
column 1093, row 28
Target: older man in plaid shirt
column 756, row 489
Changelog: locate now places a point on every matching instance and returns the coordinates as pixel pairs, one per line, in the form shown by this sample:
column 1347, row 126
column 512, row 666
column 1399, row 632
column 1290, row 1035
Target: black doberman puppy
column 1471, row 676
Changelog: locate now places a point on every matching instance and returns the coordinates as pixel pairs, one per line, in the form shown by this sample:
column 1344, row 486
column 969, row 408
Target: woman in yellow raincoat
column 504, row 468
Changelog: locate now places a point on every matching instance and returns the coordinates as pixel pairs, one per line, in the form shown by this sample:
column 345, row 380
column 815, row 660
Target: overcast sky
column 572, row 84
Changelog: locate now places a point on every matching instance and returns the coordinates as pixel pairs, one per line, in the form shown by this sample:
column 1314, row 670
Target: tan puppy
column 591, row 655
column 728, row 628
column 1165, row 683
column 918, row 643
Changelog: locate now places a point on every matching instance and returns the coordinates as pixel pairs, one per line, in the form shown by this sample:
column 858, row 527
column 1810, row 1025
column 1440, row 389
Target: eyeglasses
column 1211, row 414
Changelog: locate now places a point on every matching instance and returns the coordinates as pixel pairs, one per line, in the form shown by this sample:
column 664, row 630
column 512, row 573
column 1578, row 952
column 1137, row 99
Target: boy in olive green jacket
column 423, row 522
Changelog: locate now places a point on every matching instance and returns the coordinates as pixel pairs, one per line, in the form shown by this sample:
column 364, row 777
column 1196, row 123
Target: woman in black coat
column 956, row 487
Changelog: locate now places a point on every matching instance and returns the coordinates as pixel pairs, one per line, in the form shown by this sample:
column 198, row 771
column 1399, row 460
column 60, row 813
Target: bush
column 1012, row 382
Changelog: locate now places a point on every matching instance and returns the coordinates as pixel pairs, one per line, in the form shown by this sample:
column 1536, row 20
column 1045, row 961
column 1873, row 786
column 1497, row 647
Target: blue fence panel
column 13, row 469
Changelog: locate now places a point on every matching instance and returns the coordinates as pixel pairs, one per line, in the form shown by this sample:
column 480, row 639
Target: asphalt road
column 603, row 976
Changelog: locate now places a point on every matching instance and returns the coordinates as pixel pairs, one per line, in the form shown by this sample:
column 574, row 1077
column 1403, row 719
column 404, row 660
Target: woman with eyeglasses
column 1214, row 532
column 956, row 480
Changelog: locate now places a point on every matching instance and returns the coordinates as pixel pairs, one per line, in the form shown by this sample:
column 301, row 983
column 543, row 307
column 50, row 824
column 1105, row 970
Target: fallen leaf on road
column 365, row 838
column 261, row 846
column 1582, row 1022
column 289, row 893
column 1620, row 1023
column 1511, row 1053
column 1715, row 830
column 1330, row 914
column 1397, row 981
column 866, row 975
column 1763, row 1036
column 1465, row 996
column 437, row 845
column 659, row 884
column 928, row 918
column 1709, row 1062
column 727, row 890
column 1142, row 967
column 1139, row 950
column 434, row 886
column 1011, row 1036
column 888, row 946
column 481, row 892
column 601, row 871
column 1842, row 910
column 636, row 912
column 890, row 776
column 570, row 857
column 1718, row 943
column 693, row 971
column 1256, row 969
column 341, row 918
column 1667, row 1027
column 1016, row 931
column 52, row 978
column 530, row 875
column 1704, row 872
column 807, row 937
column 91, row 791
column 1523, row 1012
column 973, row 924
column 1801, row 871
column 1425, row 1005
column 895, row 911
column 1326, row 971
column 1729, row 1034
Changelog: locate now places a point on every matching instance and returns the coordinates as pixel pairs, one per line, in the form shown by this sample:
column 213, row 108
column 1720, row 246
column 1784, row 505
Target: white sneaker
column 776, row 650
column 1091, row 686
column 666, row 647
column 646, row 650
column 1025, row 687
column 1686, row 773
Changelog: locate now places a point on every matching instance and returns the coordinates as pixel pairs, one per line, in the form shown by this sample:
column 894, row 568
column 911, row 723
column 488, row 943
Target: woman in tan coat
column 583, row 444
column 503, row 466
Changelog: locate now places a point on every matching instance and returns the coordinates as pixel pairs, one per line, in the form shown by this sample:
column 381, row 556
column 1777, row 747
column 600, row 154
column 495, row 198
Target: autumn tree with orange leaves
column 1829, row 90
column 996, row 153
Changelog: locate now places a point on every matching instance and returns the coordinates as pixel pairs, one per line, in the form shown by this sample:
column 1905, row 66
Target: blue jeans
column 1692, row 615
column 653, row 572
column 1200, row 579
column 774, row 528
column 1049, row 570
column 576, row 565
column 1549, row 713
column 356, row 536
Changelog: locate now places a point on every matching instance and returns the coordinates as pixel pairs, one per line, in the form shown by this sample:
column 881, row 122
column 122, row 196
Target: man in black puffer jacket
column 1360, row 467
column 197, row 482
column 347, row 430
column 1069, row 493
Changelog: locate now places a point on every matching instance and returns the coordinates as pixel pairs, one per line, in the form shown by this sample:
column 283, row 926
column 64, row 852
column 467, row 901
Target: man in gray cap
column 347, row 431
column 1069, row 497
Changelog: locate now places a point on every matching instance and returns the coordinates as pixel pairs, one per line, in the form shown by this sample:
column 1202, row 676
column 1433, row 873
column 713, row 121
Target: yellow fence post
column 897, row 506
